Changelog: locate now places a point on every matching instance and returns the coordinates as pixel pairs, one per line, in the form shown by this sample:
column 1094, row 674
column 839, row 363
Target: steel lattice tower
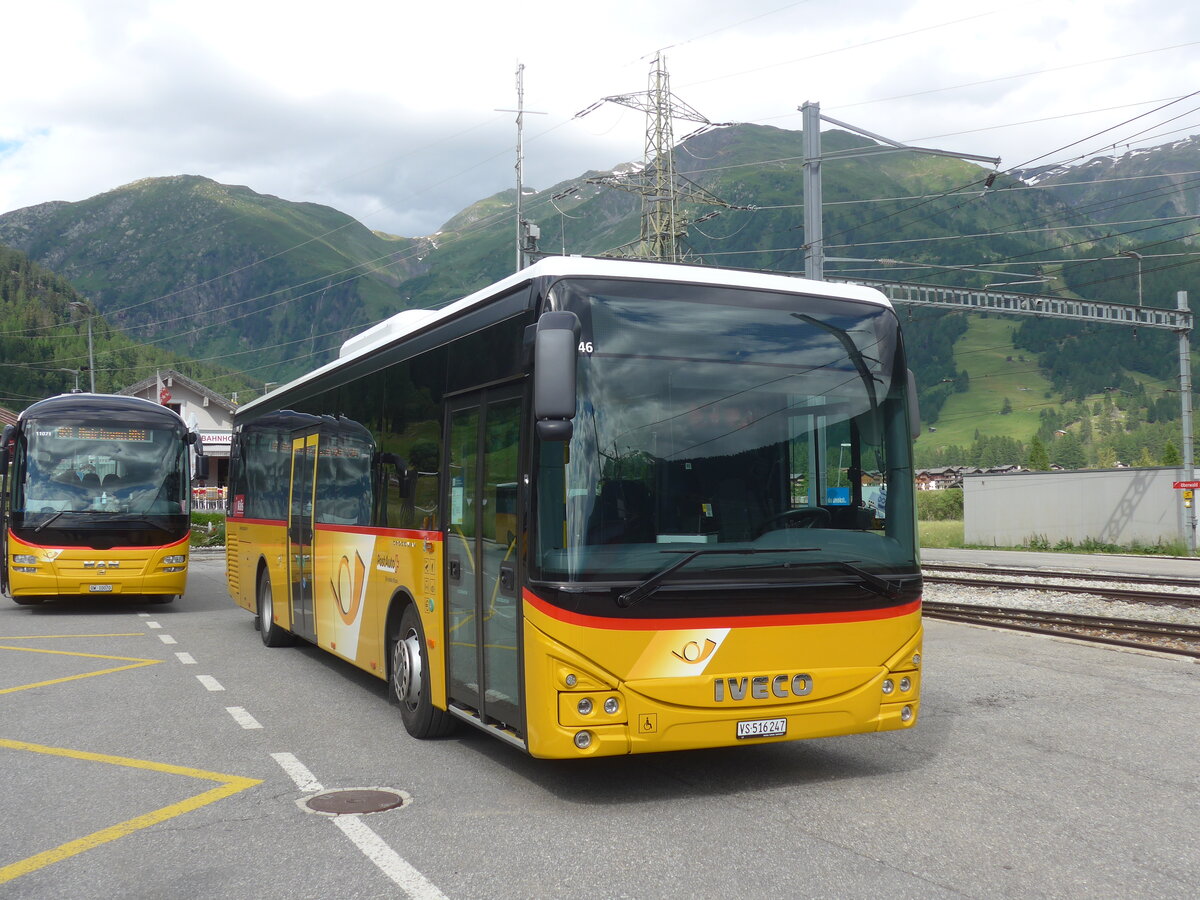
column 661, row 187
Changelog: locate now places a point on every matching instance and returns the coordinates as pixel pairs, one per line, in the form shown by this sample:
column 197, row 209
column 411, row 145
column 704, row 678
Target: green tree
column 1038, row 459
column 1068, row 452
column 1171, row 455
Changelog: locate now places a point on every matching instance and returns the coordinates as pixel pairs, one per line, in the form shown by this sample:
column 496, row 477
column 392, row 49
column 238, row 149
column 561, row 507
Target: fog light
column 583, row 739
column 905, row 683
column 888, row 686
column 28, row 570
column 173, row 568
column 585, row 706
column 570, row 680
column 906, row 714
column 24, row 559
column 173, row 560
column 611, row 705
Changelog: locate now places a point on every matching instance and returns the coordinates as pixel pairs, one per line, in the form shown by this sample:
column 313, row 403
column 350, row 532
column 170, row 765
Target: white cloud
column 387, row 111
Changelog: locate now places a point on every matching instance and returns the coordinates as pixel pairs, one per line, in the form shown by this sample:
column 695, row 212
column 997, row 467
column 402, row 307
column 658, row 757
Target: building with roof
column 201, row 408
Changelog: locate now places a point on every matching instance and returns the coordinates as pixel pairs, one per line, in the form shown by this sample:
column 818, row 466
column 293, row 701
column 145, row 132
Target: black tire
column 408, row 679
column 28, row 601
column 272, row 634
column 163, row 598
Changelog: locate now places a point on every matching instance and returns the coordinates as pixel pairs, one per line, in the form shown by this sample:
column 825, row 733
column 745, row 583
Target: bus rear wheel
column 409, row 677
column 272, row 634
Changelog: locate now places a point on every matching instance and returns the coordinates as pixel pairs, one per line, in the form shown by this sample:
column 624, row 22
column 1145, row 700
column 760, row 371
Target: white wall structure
column 205, row 409
column 1111, row 506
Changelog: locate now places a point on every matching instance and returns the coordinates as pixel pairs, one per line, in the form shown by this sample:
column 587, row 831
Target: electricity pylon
column 662, row 189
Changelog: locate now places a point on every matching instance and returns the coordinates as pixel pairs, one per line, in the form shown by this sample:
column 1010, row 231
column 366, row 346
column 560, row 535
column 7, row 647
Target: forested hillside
column 44, row 341
column 271, row 288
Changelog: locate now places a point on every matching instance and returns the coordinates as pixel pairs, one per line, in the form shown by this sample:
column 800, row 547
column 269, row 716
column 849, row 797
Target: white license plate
column 100, row 588
column 756, row 728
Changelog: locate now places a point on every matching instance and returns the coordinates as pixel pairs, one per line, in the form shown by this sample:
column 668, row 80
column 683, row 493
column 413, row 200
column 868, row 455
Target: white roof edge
column 407, row 321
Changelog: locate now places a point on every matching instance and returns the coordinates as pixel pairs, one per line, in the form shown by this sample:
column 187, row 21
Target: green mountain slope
column 271, row 288
column 44, row 341
column 216, row 270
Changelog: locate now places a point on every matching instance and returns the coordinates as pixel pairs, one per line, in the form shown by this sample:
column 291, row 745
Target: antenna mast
column 527, row 232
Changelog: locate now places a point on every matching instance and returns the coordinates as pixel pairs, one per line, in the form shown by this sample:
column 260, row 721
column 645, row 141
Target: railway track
column 1165, row 590
column 1166, row 637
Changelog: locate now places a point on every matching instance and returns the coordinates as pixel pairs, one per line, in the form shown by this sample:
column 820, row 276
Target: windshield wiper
column 126, row 519
column 49, row 520
column 873, row 582
column 881, row 586
column 651, row 584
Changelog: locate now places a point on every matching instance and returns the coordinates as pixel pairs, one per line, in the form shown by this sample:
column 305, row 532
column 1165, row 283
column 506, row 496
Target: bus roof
column 118, row 406
column 409, row 321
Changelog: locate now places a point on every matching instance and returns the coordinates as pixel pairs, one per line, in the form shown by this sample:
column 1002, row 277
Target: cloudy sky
column 390, row 110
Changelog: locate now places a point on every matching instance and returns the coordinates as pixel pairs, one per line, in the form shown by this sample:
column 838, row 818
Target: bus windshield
column 715, row 418
column 88, row 472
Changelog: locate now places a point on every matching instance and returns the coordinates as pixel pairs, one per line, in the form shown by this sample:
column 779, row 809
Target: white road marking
column 372, row 846
column 298, row 772
column 388, row 860
column 209, row 682
column 154, row 625
column 167, row 639
column 242, row 717
column 185, row 658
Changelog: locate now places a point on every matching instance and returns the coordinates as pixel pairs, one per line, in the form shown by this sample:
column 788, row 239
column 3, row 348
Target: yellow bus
column 97, row 500
column 601, row 507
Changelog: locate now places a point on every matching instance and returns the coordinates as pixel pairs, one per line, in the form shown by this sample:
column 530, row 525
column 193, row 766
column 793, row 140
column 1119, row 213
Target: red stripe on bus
column 24, row 543
column 382, row 532
column 822, row 618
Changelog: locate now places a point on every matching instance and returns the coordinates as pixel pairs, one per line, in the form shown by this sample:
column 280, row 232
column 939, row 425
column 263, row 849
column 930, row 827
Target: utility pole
column 1185, row 396
column 76, row 304
column 814, row 235
column 660, row 186
column 527, row 232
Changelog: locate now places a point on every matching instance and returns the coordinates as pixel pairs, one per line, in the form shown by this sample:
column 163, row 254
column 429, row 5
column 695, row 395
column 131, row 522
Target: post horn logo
column 693, row 652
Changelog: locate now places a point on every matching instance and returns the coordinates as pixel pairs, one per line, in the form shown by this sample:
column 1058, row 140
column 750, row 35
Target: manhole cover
column 354, row 802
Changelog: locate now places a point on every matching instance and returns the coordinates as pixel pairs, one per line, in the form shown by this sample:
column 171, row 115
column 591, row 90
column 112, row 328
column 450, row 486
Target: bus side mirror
column 201, row 471
column 554, row 356
column 914, row 407
column 5, row 443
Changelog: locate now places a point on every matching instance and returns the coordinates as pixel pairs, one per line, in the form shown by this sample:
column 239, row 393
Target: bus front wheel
column 29, row 601
column 409, row 676
column 272, row 634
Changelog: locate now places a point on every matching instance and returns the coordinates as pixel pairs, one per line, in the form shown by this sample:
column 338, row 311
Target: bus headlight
column 611, row 706
column 905, row 683
column 888, row 685
column 173, row 561
column 585, row 706
column 25, row 559
column 583, row 739
column 906, row 714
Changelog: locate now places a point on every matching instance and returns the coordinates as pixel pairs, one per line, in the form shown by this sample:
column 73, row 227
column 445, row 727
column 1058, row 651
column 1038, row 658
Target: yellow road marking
column 137, row 663
column 229, row 785
column 38, row 637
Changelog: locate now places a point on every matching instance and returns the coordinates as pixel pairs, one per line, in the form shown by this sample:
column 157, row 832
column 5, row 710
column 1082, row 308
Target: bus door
column 300, row 535
column 482, row 552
